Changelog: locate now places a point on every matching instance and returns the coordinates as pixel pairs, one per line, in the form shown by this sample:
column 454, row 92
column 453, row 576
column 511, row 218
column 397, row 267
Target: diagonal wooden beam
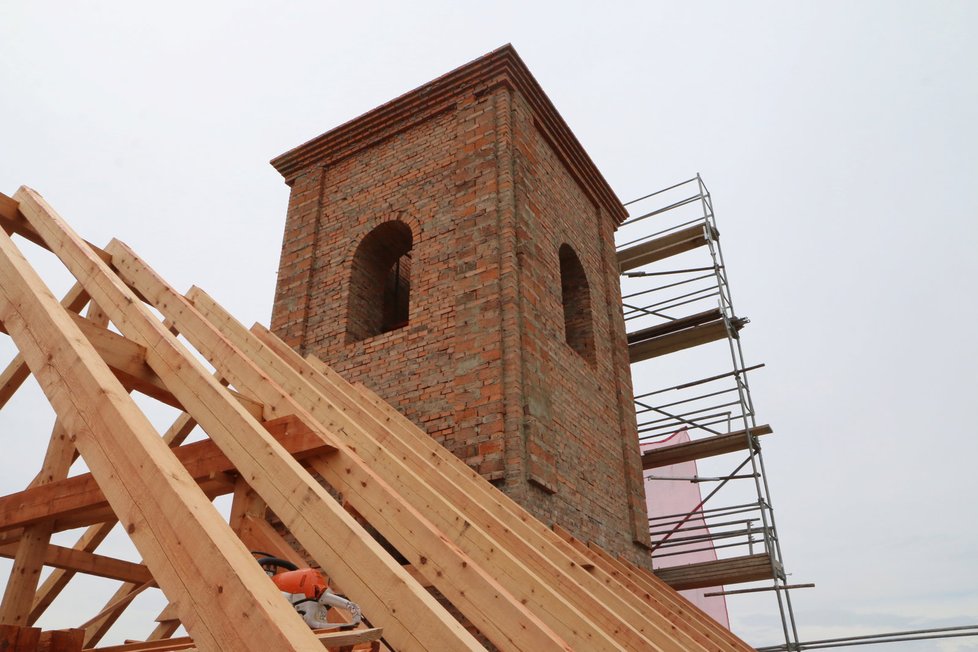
column 358, row 582
column 594, row 581
column 555, row 608
column 90, row 540
column 192, row 553
column 16, row 372
column 311, row 513
column 514, row 529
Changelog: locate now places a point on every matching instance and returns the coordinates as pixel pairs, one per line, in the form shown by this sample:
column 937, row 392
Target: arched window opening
column 576, row 297
column 380, row 282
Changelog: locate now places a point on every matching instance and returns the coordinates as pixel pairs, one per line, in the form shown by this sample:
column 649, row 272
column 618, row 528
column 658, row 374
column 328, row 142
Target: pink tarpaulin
column 667, row 497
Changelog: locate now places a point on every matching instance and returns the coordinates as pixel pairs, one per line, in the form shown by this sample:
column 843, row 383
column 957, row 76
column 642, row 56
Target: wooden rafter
column 520, row 584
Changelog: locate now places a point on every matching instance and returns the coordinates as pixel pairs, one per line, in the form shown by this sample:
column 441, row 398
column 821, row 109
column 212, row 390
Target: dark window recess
column 576, row 297
column 380, row 282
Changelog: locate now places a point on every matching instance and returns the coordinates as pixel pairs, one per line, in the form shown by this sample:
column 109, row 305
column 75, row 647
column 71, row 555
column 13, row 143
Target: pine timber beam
column 587, row 584
column 698, row 449
column 93, row 536
column 312, row 515
column 127, row 360
column 87, row 563
column 648, row 588
column 665, row 246
column 407, row 468
column 16, row 372
column 191, row 551
column 484, row 503
column 12, row 220
column 73, row 498
column 363, row 480
column 735, row 570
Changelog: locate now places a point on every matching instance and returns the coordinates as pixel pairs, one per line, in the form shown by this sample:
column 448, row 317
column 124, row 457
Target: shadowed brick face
column 506, row 341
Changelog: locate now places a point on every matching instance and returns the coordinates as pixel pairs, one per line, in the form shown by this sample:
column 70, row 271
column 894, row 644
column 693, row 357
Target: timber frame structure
column 278, row 427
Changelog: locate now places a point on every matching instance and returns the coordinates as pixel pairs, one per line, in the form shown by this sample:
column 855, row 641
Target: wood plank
column 191, row 552
column 674, row 325
column 735, row 570
column 650, row 589
column 663, row 247
column 203, row 460
column 415, row 450
column 493, row 610
column 86, row 562
column 698, row 449
column 680, row 340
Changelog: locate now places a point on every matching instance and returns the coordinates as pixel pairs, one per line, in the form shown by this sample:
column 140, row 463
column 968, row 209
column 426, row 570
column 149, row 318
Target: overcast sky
column 838, row 140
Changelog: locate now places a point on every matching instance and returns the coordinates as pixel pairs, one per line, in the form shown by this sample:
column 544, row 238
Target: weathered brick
column 513, row 354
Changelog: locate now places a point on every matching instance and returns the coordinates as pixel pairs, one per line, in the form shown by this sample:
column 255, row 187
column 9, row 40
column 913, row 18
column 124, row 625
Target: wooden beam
column 677, row 341
column 295, row 496
column 89, row 541
column 663, row 247
column 698, row 449
column 586, row 578
column 203, row 460
column 649, row 589
column 61, row 640
column 674, row 325
column 14, row 638
column 735, row 570
column 12, row 220
column 330, row 408
column 127, row 360
column 87, row 563
column 191, row 552
column 492, row 609
column 17, row 371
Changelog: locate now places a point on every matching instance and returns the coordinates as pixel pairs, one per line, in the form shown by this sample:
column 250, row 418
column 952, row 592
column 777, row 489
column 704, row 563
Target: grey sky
column 838, row 140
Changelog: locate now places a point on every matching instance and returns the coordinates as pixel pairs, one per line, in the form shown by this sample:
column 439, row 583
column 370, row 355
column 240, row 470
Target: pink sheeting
column 666, row 497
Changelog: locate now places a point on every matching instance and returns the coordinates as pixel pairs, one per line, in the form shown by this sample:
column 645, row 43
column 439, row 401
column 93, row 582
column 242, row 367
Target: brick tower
column 453, row 250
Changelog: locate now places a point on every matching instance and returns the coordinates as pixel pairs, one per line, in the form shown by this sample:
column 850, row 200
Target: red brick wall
column 483, row 363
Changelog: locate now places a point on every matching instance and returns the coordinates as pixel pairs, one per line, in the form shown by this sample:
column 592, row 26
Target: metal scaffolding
column 676, row 297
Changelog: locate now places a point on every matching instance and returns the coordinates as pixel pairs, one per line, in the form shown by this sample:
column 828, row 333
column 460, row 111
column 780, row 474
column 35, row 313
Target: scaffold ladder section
column 676, row 297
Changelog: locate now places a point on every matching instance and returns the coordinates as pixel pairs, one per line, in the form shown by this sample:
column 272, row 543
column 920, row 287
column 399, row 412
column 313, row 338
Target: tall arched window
column 380, row 282
column 576, row 297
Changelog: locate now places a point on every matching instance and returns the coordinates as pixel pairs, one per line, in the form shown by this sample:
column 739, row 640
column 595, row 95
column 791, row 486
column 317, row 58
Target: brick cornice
column 501, row 66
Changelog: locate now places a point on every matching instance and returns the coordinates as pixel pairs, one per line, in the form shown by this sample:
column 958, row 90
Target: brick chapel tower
column 453, row 250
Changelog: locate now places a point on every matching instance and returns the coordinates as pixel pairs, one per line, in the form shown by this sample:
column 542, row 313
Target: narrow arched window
column 576, row 297
column 380, row 282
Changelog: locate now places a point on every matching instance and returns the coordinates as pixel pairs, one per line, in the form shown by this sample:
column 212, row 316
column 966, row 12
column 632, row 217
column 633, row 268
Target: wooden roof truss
column 275, row 423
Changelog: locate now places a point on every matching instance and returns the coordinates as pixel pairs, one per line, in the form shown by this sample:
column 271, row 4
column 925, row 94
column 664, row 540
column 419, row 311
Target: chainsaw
column 307, row 591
